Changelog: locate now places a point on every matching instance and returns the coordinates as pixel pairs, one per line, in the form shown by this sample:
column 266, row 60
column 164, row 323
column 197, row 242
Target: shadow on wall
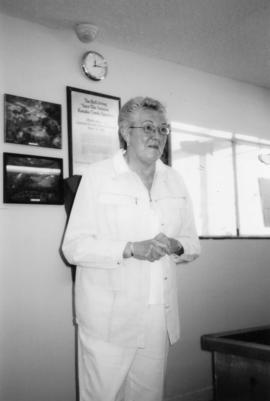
column 71, row 185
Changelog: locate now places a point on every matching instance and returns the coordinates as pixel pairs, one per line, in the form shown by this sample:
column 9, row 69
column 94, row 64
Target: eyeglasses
column 150, row 129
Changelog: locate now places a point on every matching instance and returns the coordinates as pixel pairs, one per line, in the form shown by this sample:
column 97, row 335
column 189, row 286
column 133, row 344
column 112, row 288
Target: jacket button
column 166, row 278
column 167, row 306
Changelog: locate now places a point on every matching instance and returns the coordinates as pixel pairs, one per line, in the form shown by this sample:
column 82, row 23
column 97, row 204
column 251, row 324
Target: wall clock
column 94, row 65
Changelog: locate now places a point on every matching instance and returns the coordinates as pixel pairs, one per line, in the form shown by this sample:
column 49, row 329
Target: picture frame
column 166, row 156
column 32, row 122
column 32, row 179
column 92, row 127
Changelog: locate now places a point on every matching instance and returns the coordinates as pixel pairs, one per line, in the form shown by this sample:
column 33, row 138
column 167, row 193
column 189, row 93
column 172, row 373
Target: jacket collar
column 121, row 166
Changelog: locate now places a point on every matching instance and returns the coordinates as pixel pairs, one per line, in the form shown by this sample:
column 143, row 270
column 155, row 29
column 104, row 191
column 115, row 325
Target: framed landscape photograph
column 32, row 122
column 33, row 179
column 92, row 127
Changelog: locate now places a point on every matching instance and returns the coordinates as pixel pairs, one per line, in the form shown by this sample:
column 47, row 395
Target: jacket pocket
column 94, row 308
column 117, row 199
column 119, row 213
column 172, row 211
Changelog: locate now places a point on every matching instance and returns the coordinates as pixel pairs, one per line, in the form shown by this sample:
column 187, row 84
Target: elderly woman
column 131, row 223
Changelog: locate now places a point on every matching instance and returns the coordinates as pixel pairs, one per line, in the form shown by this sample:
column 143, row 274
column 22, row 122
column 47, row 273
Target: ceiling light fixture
column 86, row 32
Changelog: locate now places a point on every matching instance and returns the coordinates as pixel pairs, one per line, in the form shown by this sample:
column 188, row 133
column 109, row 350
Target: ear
column 125, row 133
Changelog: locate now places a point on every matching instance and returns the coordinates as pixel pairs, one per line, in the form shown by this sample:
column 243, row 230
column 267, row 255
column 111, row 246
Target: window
column 228, row 177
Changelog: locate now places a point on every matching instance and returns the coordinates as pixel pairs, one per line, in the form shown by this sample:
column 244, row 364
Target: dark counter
column 241, row 364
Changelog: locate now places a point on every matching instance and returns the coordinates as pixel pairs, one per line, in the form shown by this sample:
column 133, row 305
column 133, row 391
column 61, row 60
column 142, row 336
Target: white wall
column 227, row 288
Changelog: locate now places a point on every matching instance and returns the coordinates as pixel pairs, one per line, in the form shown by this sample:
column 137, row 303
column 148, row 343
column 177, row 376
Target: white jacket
column 112, row 207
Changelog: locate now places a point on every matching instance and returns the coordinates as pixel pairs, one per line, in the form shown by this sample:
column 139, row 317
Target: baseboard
column 204, row 394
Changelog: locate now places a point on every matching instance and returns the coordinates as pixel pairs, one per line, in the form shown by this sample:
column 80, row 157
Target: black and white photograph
column 135, row 200
column 32, row 122
column 32, row 179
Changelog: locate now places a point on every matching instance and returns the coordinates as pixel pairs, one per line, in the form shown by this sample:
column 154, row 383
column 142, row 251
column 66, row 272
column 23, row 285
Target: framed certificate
column 92, row 127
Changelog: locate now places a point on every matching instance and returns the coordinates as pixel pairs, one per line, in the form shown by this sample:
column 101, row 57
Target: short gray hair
column 137, row 104
column 131, row 107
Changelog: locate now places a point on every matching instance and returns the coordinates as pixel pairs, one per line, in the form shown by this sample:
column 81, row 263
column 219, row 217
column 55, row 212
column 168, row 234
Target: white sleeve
column 188, row 235
column 81, row 244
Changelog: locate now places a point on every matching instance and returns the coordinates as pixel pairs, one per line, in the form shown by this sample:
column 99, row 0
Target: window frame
column 234, row 139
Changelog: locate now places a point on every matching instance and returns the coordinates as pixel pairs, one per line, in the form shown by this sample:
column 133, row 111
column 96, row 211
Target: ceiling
column 230, row 38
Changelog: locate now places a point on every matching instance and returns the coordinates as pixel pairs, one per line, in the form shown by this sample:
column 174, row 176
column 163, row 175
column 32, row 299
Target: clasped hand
column 156, row 248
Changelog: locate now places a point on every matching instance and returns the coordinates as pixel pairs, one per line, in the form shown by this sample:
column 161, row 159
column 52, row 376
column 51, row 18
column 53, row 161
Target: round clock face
column 94, row 65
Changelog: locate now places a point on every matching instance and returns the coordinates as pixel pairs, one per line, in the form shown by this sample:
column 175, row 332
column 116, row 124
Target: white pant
column 111, row 373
